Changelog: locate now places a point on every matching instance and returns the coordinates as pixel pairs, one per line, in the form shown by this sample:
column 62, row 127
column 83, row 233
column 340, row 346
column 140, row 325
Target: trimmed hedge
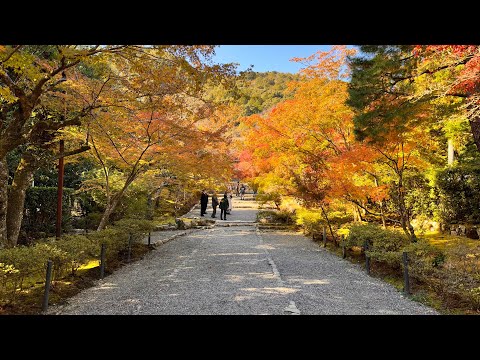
column 41, row 209
column 279, row 217
column 452, row 274
column 384, row 245
column 311, row 220
column 68, row 254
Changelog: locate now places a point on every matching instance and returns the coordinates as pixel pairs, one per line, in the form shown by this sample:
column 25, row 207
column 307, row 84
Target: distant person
column 242, row 192
column 203, row 202
column 214, row 204
column 223, row 207
column 237, row 189
column 230, row 203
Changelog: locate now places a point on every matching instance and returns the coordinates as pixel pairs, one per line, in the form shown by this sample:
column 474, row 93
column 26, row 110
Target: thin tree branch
column 10, row 54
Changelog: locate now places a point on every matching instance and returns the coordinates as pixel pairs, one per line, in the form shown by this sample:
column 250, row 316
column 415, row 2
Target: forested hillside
column 256, row 92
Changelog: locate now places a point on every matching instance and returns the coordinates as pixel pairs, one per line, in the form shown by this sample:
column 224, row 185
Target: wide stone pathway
column 233, row 268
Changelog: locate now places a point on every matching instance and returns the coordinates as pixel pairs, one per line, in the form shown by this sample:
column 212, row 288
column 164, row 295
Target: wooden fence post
column 406, row 279
column 367, row 258
column 324, row 237
column 129, row 247
column 47, row 285
column 102, row 261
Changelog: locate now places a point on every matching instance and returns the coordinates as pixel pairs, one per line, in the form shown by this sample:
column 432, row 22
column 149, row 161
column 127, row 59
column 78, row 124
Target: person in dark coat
column 214, row 204
column 242, row 192
column 203, row 202
column 223, row 207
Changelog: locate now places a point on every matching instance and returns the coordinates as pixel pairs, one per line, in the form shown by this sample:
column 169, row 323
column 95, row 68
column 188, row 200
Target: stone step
column 228, row 224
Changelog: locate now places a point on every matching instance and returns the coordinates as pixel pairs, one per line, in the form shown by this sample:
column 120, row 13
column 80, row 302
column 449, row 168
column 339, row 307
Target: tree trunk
column 3, row 202
column 475, row 126
column 404, row 220
column 149, row 212
column 354, row 212
column 16, row 199
column 359, row 214
column 450, row 153
column 329, row 226
column 382, row 215
column 111, row 206
column 106, row 215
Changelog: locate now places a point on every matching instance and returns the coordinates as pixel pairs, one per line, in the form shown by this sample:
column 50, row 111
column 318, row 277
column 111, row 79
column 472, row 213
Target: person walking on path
column 223, row 207
column 230, row 203
column 203, row 203
column 237, row 189
column 242, row 192
column 214, row 204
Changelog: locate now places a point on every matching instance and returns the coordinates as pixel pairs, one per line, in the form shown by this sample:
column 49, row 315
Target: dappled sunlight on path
column 240, row 270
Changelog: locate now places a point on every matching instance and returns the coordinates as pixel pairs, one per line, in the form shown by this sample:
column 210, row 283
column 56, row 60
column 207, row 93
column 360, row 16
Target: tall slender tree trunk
column 111, row 206
column 359, row 213
column 356, row 213
column 450, row 152
column 16, row 199
column 475, row 126
column 404, row 220
column 108, row 211
column 3, row 202
column 329, row 225
column 382, row 213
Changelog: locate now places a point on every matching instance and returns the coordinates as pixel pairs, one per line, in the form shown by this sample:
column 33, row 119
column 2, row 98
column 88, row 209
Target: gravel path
column 240, row 270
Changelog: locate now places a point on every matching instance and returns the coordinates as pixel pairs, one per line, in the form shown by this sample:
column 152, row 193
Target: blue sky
column 266, row 57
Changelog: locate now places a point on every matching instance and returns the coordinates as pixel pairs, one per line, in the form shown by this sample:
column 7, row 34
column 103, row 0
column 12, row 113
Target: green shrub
column 137, row 227
column 424, row 260
column 6, row 270
column 135, row 205
column 339, row 218
column 459, row 192
column 274, row 197
column 311, row 220
column 290, row 205
column 67, row 253
column 78, row 249
column 7, row 274
column 384, row 244
column 20, row 263
column 27, row 260
column 282, row 217
column 116, row 236
column 455, row 273
column 420, row 197
column 41, row 209
column 49, row 251
column 461, row 273
column 90, row 221
column 114, row 239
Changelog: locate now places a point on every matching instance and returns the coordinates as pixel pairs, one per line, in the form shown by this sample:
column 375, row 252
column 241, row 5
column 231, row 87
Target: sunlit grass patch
column 447, row 241
column 91, row 264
